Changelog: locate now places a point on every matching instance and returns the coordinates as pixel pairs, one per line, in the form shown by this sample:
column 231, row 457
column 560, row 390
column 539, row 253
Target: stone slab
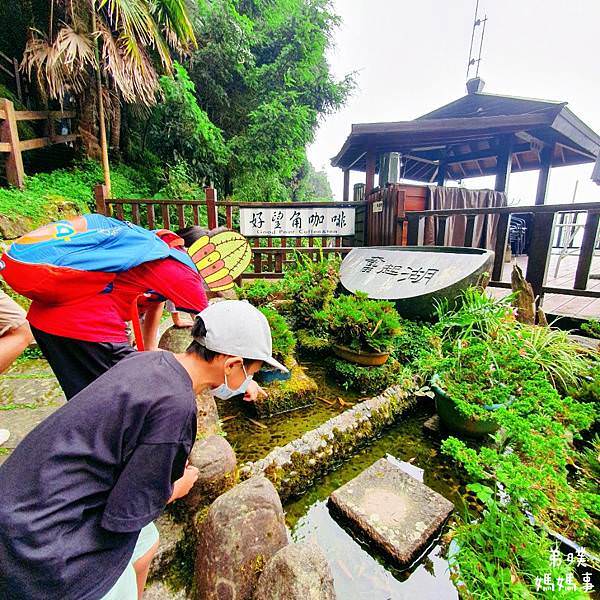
column 413, row 277
column 396, row 512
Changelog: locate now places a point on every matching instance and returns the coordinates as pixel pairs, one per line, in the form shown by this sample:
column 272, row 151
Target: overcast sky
column 410, row 57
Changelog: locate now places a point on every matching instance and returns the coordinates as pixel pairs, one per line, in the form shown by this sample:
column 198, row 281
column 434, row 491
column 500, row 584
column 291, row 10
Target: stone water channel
column 359, row 570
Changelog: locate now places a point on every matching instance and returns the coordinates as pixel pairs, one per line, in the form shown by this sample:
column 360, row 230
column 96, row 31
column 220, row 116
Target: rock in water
column 396, row 512
column 243, row 529
column 175, row 339
column 216, row 462
column 296, row 572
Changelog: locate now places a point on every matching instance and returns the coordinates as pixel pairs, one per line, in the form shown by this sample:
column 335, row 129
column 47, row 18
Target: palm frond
column 59, row 67
column 133, row 75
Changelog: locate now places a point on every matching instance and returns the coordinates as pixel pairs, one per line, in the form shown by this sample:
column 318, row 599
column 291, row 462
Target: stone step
column 171, row 534
column 398, row 513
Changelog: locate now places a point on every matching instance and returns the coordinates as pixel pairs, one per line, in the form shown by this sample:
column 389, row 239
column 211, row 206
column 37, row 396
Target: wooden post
column 17, row 79
column 539, row 251
column 15, row 173
column 544, row 174
column 441, row 174
column 590, row 234
column 499, row 249
column 370, row 175
column 346, row 192
column 100, row 193
column 211, row 207
column 504, row 164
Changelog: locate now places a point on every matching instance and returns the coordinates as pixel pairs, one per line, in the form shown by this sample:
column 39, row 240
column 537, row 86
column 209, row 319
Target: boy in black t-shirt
column 80, row 492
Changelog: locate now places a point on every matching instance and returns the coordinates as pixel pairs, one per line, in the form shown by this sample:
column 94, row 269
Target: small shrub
column 366, row 380
column 311, row 285
column 284, row 341
column 260, row 292
column 412, row 341
column 592, row 328
column 361, row 324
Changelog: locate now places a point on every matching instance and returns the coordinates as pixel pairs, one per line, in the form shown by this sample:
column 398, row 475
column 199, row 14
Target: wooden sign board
column 413, row 277
column 297, row 222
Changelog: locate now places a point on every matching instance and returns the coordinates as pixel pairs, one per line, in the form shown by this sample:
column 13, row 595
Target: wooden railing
column 11, row 144
column 542, row 227
column 270, row 255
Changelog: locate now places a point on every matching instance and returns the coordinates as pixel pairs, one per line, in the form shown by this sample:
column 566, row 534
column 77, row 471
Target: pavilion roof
column 468, row 134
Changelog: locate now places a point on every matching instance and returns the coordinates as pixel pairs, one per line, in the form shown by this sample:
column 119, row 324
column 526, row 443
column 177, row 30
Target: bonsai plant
column 472, row 378
column 362, row 330
column 260, row 292
column 310, row 285
column 284, row 344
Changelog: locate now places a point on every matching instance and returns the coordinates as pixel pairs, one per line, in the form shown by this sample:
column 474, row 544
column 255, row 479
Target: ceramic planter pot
column 454, row 420
column 366, row 359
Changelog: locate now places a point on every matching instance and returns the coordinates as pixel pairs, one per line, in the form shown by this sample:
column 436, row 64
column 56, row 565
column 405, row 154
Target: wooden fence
column 13, row 146
column 270, row 255
column 540, row 248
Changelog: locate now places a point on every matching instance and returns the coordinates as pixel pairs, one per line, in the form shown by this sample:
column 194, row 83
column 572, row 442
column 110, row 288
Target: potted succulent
column 284, row 344
column 261, row 292
column 363, row 331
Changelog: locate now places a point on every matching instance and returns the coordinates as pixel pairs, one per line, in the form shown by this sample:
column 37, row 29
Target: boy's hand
column 254, row 392
column 185, row 483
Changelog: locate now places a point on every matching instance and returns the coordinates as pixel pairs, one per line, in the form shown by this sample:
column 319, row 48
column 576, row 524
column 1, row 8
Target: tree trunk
column 88, row 121
column 115, row 127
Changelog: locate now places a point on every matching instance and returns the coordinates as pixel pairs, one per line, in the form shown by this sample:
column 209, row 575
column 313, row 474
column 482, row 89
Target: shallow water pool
column 358, row 570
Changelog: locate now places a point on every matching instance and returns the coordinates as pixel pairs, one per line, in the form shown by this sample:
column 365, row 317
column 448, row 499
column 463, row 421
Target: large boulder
column 216, row 462
column 296, row 572
column 175, row 339
column 243, row 529
column 207, row 415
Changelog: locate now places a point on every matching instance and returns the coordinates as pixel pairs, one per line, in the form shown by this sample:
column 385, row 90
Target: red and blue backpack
column 80, row 257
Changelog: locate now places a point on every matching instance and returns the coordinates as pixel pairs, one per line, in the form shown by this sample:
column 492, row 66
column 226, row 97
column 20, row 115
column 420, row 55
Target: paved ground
column 29, row 393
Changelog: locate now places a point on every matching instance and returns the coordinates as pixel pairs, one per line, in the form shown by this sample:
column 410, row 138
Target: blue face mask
column 224, row 392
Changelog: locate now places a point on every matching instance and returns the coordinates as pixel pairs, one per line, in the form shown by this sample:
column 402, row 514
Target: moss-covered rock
column 298, row 391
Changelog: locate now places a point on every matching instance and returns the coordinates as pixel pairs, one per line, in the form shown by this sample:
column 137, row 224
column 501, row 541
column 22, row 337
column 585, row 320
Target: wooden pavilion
column 479, row 134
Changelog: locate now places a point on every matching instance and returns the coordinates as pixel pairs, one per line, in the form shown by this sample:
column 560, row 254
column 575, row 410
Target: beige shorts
column 11, row 314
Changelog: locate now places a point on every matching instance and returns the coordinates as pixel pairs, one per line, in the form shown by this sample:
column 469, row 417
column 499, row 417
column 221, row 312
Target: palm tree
column 126, row 43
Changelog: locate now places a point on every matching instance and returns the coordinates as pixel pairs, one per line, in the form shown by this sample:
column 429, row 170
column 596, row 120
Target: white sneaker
column 4, row 436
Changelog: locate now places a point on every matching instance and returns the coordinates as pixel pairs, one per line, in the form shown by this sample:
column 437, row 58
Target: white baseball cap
column 236, row 328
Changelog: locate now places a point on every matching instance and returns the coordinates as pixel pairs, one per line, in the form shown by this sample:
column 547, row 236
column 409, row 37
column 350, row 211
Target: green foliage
column 591, row 328
column 284, row 341
column 260, row 292
column 262, row 76
column 367, row 380
column 412, row 341
column 475, row 314
column 492, row 321
column 588, row 388
column 311, row 286
column 361, row 324
column 48, row 196
column 181, row 130
column 311, row 185
column 531, row 454
column 501, row 555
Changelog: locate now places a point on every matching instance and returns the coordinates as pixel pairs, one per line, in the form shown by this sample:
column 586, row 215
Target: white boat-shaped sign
column 413, row 276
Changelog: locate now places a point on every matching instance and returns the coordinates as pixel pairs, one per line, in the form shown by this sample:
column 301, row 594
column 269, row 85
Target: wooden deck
column 558, row 303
